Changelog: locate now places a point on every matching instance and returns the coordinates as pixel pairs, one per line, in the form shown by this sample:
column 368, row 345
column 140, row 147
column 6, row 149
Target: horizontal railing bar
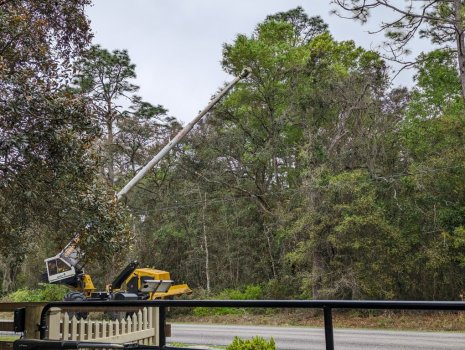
column 11, row 306
column 310, row 304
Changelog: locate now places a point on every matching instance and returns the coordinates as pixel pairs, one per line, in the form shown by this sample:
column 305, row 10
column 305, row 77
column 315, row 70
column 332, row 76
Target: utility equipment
column 132, row 283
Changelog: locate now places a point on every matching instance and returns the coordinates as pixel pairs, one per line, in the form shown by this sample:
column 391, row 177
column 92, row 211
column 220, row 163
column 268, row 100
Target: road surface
column 296, row 338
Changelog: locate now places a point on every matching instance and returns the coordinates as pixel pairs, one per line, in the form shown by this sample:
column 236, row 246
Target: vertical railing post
column 329, row 337
column 161, row 325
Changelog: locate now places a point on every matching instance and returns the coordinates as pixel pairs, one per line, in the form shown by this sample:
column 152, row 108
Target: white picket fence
column 141, row 327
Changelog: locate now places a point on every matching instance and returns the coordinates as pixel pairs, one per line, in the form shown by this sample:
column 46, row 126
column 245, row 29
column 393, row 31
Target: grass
column 398, row 320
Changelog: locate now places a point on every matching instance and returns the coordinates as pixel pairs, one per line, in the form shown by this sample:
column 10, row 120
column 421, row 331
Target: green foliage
column 46, row 292
column 46, row 144
column 438, row 89
column 127, row 132
column 287, row 286
column 312, row 179
column 287, row 184
column 352, row 224
column 256, row 343
column 250, row 292
column 427, row 19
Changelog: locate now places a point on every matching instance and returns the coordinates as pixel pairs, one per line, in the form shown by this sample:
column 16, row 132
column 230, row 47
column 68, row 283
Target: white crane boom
column 156, row 159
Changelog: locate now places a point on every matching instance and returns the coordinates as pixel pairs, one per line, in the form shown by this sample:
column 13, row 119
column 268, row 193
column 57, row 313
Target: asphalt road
column 295, row 338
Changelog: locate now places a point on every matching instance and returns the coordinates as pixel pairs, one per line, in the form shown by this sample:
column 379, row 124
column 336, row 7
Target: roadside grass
column 366, row 319
column 363, row 319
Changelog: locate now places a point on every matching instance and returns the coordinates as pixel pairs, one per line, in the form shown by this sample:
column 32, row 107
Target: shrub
column 22, row 295
column 256, row 343
column 285, row 287
column 251, row 292
column 45, row 292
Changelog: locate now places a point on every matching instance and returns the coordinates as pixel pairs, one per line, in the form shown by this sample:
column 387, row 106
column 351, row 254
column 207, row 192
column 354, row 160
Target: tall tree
column 106, row 78
column 263, row 155
column 441, row 21
column 430, row 202
column 339, row 96
column 47, row 164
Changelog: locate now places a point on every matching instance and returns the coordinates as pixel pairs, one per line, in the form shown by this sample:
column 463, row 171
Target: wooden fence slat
column 82, row 329
column 65, row 334
column 139, row 321
column 74, row 324
column 123, row 326
column 134, row 323
column 145, row 318
column 89, row 329
column 98, row 330
column 150, row 316
column 104, row 329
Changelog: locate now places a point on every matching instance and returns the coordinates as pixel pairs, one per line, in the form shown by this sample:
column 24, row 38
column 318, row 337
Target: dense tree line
column 314, row 178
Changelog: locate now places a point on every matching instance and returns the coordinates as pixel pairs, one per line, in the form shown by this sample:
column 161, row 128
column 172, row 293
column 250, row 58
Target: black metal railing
column 326, row 305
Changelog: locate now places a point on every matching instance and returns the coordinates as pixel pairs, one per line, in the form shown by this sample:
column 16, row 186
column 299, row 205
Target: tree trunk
column 111, row 171
column 270, row 251
column 461, row 61
column 460, row 40
column 205, row 241
column 317, row 264
column 9, row 266
column 317, row 274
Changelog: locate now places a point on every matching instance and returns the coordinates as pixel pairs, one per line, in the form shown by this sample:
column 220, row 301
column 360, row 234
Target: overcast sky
column 177, row 44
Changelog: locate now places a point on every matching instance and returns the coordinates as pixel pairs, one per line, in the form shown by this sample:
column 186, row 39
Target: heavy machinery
column 132, row 283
